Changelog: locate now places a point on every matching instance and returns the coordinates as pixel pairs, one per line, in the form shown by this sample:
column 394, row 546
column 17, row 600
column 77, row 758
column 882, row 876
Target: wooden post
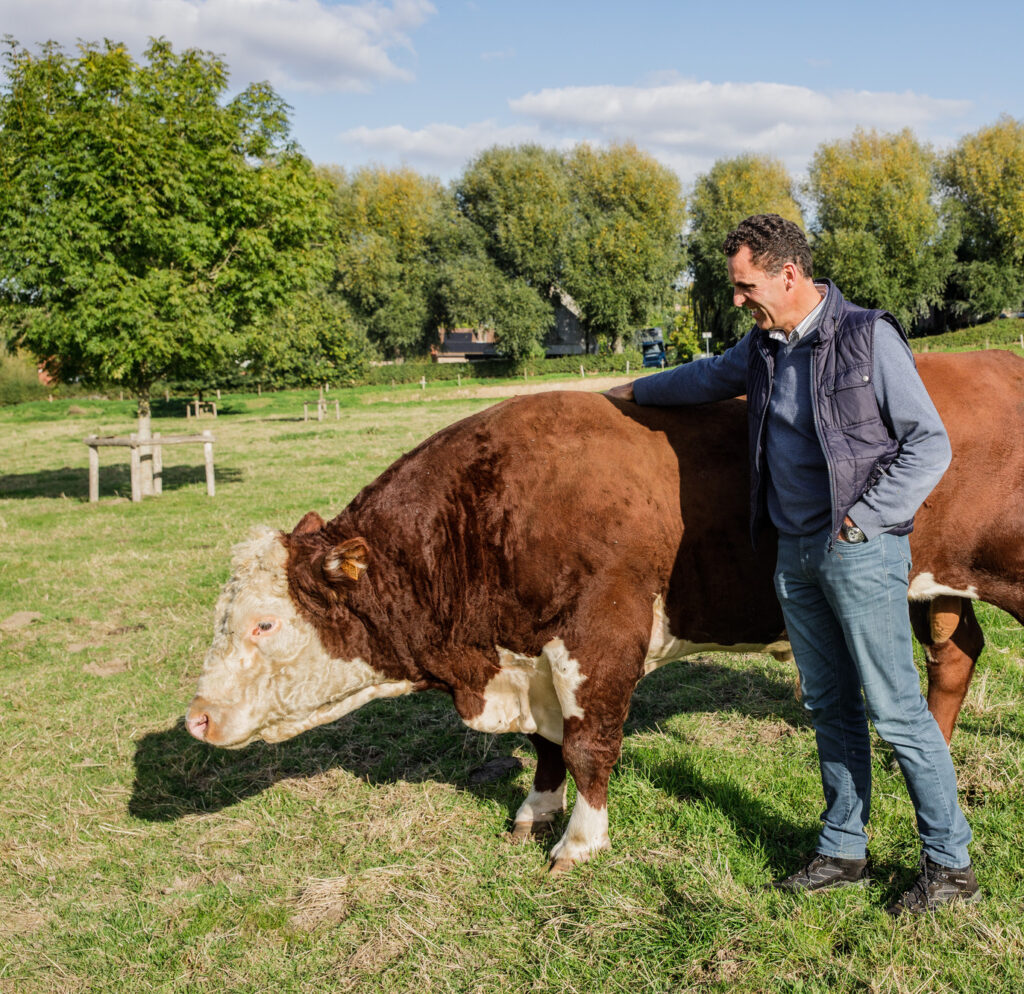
column 135, row 469
column 167, row 396
column 584, row 375
column 337, row 410
column 458, row 376
column 259, row 389
column 218, row 396
column 305, row 412
column 208, row 458
column 94, row 473
column 423, row 383
column 188, row 412
column 158, row 466
column 214, row 406
column 627, row 367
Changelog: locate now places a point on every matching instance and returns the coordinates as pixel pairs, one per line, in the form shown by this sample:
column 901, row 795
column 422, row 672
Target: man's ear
column 347, row 561
column 311, row 522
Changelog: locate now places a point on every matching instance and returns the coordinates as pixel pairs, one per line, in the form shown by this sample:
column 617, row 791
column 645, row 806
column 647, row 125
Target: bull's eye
column 263, row 627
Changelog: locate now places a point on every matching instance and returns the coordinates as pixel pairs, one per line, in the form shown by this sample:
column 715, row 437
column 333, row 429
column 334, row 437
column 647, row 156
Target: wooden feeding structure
column 153, row 447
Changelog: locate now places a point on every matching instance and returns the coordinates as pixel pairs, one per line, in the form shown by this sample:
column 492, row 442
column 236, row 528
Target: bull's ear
column 311, row 522
column 347, row 560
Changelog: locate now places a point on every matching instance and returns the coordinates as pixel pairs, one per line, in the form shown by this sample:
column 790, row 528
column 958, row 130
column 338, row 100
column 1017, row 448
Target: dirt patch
column 18, row 620
column 108, row 668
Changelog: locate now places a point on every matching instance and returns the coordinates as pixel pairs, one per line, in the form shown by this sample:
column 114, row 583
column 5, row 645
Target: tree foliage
column 147, row 226
column 624, row 251
column 519, row 198
column 732, row 190
column 983, row 179
column 878, row 232
column 387, row 223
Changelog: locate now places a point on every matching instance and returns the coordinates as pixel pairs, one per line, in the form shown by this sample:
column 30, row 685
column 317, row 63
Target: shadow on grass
column 418, row 738
column 115, row 481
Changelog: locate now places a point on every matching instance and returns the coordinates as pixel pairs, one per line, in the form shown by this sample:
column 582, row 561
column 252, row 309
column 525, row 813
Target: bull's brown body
column 549, row 530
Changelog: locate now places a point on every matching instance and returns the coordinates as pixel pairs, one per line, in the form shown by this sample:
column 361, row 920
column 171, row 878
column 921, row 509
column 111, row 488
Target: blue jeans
column 847, row 618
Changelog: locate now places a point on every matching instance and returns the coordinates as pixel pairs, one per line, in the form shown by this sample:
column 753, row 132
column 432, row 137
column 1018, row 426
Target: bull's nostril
column 198, row 725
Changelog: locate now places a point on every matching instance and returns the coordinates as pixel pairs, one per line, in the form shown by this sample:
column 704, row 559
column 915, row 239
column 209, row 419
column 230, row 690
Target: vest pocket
column 853, row 396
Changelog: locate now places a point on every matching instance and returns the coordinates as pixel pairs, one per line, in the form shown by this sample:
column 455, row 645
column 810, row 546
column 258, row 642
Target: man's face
column 766, row 297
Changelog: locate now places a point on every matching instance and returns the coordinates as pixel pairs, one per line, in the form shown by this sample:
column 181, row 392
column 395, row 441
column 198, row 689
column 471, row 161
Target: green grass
column 360, row 856
column 1002, row 333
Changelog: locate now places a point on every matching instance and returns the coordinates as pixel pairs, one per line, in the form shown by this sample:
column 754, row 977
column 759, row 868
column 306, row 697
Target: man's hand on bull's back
column 624, row 391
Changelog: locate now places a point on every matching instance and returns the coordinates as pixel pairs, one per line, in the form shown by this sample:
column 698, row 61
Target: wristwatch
column 852, row 534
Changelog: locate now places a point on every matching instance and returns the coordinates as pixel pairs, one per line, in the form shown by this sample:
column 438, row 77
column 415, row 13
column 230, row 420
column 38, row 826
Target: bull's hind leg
column 952, row 640
column 546, row 799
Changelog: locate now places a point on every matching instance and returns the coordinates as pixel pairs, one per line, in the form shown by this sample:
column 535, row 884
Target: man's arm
column 698, row 382
column 924, row 452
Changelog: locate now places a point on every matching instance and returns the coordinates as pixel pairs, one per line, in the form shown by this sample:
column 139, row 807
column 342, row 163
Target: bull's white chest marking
column 925, row 588
column 664, row 647
column 531, row 693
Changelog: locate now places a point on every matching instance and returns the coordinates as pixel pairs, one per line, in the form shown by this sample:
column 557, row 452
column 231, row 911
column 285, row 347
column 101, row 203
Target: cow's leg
column 952, row 640
column 546, row 799
column 590, row 752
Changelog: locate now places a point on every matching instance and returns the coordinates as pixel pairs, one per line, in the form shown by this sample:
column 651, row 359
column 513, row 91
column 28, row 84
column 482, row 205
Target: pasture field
column 369, row 855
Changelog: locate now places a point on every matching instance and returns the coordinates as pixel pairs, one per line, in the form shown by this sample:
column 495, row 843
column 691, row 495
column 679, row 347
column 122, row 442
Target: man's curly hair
column 773, row 241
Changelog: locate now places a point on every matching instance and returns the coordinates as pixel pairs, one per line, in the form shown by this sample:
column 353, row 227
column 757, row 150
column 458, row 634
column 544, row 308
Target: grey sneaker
column 935, row 886
column 827, row 871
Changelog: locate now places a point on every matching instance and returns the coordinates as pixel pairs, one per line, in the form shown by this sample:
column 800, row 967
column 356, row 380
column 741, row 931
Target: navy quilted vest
column 857, row 444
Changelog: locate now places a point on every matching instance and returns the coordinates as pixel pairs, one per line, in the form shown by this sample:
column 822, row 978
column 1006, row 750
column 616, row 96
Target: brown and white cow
column 535, row 560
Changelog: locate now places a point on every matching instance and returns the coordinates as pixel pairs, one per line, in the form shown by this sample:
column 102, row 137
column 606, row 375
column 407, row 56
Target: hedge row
column 413, row 372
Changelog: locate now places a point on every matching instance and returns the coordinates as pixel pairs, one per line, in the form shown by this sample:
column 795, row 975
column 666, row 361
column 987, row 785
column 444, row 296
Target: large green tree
column 519, row 197
column 148, row 226
column 878, row 231
column 732, row 190
column 387, row 225
column 625, row 250
column 983, row 179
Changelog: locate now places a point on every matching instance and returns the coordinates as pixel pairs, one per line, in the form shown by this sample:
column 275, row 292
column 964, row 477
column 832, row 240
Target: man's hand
column 624, row 391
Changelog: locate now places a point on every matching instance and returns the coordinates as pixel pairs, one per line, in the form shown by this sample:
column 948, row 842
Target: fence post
column 337, row 410
column 584, row 375
column 94, row 472
column 208, row 459
column 305, row 412
column 158, row 466
column 135, row 468
column 627, row 367
column 423, row 383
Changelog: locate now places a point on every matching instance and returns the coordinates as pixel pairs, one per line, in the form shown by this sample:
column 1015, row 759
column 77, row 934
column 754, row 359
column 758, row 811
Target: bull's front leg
column 546, row 800
column 590, row 749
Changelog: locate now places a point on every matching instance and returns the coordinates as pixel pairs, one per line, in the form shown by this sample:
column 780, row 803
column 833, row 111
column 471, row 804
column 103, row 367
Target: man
column 845, row 444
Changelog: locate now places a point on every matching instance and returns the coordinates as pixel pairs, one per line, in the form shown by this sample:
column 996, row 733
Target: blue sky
column 430, row 83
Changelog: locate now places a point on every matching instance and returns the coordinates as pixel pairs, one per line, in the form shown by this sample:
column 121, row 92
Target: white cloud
column 295, row 44
column 689, row 124
column 684, row 123
column 443, row 147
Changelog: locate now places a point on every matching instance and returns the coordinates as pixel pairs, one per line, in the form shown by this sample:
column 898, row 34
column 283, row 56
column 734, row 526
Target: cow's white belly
column 664, row 647
column 531, row 693
column 537, row 693
column 924, row 587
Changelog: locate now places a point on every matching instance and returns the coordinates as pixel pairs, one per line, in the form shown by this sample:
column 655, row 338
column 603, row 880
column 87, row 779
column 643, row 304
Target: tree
column 983, row 179
column 146, row 226
column 878, row 232
column 624, row 251
column 386, row 222
column 733, row 190
column 519, row 198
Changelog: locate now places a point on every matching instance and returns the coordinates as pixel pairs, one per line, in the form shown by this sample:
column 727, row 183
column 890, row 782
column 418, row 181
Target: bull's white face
column 267, row 675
